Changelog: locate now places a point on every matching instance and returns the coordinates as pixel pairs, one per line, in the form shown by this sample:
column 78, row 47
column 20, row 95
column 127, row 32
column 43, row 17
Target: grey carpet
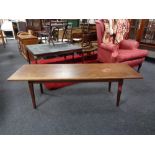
column 84, row 108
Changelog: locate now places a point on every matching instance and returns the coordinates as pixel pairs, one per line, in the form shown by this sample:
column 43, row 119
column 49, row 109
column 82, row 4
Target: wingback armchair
column 125, row 52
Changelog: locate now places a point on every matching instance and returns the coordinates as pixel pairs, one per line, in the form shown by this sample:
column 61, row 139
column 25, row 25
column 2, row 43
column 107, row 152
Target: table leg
column 58, row 35
column 65, row 58
column 64, row 33
column 3, row 41
column 82, row 57
column 28, row 57
column 40, row 36
column 41, row 88
column 109, row 87
column 31, row 89
column 73, row 57
column 120, row 84
column 35, row 61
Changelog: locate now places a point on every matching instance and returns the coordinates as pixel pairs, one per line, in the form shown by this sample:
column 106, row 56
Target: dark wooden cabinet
column 34, row 24
column 143, row 31
column 134, row 24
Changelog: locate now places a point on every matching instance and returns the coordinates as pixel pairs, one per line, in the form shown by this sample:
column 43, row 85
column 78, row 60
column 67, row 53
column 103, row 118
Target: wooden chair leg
column 3, row 42
column 140, row 65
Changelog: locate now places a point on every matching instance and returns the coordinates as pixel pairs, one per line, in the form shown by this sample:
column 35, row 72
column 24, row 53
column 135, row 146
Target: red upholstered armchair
column 126, row 52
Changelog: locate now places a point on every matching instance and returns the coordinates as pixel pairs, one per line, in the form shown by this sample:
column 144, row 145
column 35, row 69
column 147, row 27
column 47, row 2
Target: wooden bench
column 40, row 73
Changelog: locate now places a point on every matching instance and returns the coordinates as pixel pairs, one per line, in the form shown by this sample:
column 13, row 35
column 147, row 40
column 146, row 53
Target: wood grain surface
column 74, row 72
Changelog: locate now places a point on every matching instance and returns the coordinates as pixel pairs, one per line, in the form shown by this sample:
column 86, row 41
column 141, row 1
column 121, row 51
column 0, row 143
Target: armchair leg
column 109, row 87
column 140, row 65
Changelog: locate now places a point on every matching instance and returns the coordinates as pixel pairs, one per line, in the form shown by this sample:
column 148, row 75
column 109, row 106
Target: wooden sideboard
column 23, row 40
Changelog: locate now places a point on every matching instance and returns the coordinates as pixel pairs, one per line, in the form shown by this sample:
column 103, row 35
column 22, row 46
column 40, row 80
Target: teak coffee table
column 40, row 73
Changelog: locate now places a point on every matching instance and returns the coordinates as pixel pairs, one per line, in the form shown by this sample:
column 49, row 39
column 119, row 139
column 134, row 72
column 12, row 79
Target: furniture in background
column 74, row 22
column 39, row 51
column 21, row 25
column 2, row 38
column 74, row 73
column 88, row 31
column 34, row 24
column 85, row 33
column 9, row 29
column 54, row 28
column 67, row 32
column 143, row 30
column 86, row 36
column 126, row 52
column 47, row 29
column 24, row 38
column 37, row 25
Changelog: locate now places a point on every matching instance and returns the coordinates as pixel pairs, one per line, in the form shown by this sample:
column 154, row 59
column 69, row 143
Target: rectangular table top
column 26, row 36
column 43, row 49
column 74, row 72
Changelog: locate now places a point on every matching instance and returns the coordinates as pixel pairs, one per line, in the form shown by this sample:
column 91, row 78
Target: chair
column 67, row 32
column 2, row 38
column 125, row 52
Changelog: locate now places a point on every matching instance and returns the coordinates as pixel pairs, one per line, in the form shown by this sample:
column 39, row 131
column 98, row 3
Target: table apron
column 84, row 81
column 56, row 53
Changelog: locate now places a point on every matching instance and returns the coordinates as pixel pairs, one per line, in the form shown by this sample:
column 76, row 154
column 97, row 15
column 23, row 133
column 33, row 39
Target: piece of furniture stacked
column 2, row 38
column 24, row 38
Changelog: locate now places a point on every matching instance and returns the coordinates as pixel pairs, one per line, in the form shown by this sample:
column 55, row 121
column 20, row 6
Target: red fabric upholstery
column 68, row 59
column 133, row 63
column 109, row 47
column 56, row 85
column 100, row 31
column 125, row 55
column 128, row 44
column 127, row 51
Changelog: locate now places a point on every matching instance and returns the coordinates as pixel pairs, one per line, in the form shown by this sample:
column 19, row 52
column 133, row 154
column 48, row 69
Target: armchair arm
column 128, row 44
column 109, row 47
column 112, row 49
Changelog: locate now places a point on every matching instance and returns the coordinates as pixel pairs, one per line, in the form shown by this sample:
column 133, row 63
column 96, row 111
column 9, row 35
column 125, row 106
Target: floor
column 84, row 108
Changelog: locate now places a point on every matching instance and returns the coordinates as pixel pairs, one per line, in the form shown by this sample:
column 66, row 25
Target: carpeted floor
column 84, row 108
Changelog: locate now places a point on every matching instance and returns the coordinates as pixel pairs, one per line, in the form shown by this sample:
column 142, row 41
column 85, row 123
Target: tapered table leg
column 41, row 88
column 120, row 84
column 109, row 87
column 31, row 88
column 28, row 57
column 82, row 57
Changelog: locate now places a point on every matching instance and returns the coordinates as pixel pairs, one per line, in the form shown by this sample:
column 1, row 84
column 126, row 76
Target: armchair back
column 99, row 31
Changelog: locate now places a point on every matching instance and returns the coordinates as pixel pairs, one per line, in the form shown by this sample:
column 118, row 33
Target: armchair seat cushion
column 128, row 44
column 125, row 55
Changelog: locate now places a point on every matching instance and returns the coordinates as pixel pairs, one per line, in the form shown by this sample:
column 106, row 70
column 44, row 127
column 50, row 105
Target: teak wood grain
column 28, row 36
column 74, row 72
